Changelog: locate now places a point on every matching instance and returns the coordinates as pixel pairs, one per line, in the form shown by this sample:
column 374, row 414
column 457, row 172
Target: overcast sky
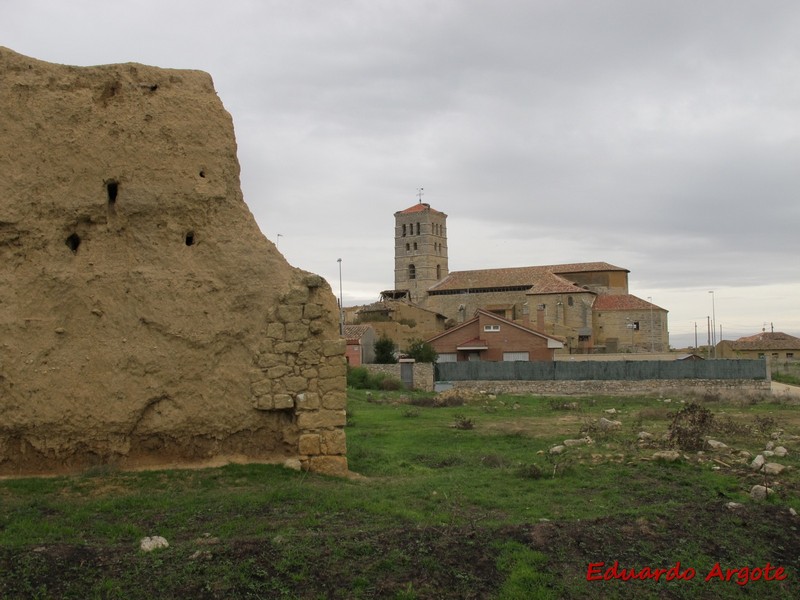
column 662, row 137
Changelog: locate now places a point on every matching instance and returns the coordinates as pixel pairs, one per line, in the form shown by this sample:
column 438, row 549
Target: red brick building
column 488, row 336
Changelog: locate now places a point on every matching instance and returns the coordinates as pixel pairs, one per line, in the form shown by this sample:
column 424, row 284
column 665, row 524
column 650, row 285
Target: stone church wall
column 144, row 318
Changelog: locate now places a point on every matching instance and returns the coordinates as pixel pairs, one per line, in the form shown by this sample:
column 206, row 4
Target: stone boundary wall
column 423, row 374
column 654, row 387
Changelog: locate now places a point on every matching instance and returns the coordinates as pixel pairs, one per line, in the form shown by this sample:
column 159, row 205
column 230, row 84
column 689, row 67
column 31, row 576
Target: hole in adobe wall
column 72, row 242
column 202, row 173
column 190, row 238
column 112, row 187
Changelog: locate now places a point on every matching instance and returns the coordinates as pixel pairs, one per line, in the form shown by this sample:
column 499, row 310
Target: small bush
column 494, row 461
column 531, row 471
column 558, row 404
column 462, row 422
column 765, row 423
column 360, row 378
column 411, row 413
column 690, row 426
column 727, row 426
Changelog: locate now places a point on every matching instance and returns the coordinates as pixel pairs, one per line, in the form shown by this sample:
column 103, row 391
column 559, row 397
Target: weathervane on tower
column 419, row 194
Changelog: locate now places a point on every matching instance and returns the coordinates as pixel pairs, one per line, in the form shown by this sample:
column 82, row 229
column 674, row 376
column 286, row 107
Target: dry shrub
column 690, row 426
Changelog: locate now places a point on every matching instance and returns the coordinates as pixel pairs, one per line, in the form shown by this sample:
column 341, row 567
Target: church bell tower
column 420, row 250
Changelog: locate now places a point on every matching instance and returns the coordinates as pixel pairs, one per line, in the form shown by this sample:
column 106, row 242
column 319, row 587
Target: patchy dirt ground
column 343, row 560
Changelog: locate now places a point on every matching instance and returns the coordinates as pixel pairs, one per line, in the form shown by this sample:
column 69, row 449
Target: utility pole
column 341, row 306
column 708, row 320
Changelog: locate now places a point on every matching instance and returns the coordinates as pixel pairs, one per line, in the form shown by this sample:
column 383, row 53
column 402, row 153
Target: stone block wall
column 652, row 387
column 144, row 319
column 423, row 374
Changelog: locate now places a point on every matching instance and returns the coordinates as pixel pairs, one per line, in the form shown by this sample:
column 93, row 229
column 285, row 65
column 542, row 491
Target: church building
column 587, row 305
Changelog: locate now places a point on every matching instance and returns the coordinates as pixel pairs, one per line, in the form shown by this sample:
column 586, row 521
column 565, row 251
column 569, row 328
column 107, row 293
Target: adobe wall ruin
column 144, row 318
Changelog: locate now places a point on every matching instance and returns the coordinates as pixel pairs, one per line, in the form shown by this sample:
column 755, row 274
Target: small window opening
column 73, row 242
column 404, row 231
column 570, row 302
column 412, row 272
column 190, row 238
column 112, row 187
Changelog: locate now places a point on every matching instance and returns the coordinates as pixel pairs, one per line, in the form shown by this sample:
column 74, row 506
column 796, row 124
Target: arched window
column 569, row 300
column 415, row 246
column 438, row 271
column 408, row 247
column 412, row 272
column 417, row 227
column 404, row 231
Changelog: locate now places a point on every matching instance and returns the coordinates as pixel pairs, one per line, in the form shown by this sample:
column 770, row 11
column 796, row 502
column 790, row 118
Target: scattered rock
column 715, row 445
column 793, row 512
column 769, row 446
column 578, row 442
column 667, row 455
column 760, row 492
column 758, row 462
column 608, row 425
column 780, row 451
column 148, row 544
column 557, row 449
column 293, row 463
column 773, row 468
column 767, row 453
column 745, row 454
column 611, row 411
column 645, row 436
column 733, row 505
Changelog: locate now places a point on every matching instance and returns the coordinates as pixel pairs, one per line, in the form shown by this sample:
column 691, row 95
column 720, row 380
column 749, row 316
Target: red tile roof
column 418, row 207
column 544, row 279
column 767, row 340
column 622, row 302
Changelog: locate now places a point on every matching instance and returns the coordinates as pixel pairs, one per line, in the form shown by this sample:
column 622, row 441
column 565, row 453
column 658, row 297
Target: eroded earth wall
column 144, row 318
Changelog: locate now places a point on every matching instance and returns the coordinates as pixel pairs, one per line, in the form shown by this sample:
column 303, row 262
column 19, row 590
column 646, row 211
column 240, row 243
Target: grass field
column 461, row 501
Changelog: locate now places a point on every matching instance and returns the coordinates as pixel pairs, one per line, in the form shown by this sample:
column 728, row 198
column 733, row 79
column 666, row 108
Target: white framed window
column 446, row 357
column 491, row 327
column 512, row 356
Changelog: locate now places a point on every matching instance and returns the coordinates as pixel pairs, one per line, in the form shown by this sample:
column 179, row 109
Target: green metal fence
column 601, row 370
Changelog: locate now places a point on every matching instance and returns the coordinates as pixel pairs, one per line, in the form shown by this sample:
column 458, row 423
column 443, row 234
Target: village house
column 587, row 305
column 488, row 336
column 767, row 344
column 360, row 348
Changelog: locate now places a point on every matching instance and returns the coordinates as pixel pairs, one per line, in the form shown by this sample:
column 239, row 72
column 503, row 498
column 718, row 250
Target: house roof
column 552, row 342
column 767, row 340
column 418, row 207
column 355, row 332
column 545, row 279
column 622, row 302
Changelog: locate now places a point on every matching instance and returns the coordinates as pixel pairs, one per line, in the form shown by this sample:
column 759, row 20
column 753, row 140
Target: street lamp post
column 713, row 324
column 341, row 305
